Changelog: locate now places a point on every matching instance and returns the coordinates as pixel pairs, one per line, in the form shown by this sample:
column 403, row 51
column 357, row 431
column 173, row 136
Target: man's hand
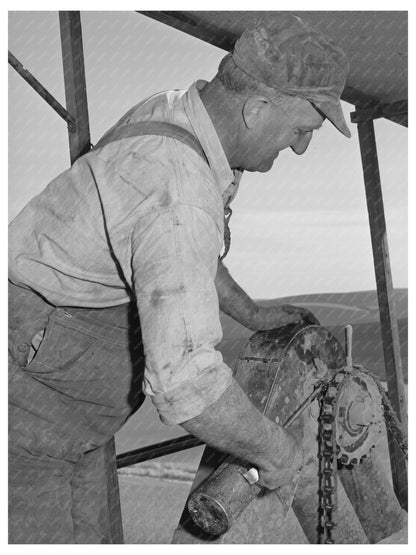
column 282, row 315
column 306, row 316
column 282, row 471
column 233, row 425
column 271, row 317
column 237, row 304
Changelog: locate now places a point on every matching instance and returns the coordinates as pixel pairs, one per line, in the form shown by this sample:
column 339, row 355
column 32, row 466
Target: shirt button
column 23, row 347
column 60, row 312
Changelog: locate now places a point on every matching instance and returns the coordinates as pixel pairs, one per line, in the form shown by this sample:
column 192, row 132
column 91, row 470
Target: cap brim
column 333, row 111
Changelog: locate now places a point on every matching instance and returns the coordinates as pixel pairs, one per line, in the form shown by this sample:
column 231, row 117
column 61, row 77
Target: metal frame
column 158, row 450
column 40, row 89
column 75, row 85
column 367, row 109
column 385, row 293
column 197, row 27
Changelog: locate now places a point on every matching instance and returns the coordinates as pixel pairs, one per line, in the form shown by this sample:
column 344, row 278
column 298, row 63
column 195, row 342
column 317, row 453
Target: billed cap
column 286, row 54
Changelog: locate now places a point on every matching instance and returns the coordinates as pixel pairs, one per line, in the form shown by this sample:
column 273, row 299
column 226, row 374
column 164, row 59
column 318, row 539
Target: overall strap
column 153, row 128
column 174, row 132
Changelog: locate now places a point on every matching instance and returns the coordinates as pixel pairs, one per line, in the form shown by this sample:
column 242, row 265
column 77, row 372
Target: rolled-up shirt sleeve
column 174, row 262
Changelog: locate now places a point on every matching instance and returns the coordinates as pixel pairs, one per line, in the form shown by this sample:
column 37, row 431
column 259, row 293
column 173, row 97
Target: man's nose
column 302, row 143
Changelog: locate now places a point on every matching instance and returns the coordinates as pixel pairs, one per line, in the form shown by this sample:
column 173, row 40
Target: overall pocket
column 85, row 362
column 61, row 346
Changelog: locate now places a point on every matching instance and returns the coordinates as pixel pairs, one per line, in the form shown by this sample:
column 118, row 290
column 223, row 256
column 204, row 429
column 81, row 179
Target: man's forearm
column 233, row 425
column 233, row 300
column 236, row 303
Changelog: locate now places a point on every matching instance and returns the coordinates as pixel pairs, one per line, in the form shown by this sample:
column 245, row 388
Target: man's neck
column 223, row 111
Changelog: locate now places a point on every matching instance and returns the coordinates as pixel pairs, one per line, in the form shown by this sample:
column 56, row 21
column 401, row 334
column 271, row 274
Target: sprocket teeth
column 330, row 450
column 344, row 459
column 353, row 442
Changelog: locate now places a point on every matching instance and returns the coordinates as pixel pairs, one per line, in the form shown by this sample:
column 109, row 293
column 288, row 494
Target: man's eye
column 304, row 132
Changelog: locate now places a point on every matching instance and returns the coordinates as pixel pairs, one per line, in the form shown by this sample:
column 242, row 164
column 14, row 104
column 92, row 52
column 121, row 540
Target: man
column 132, row 232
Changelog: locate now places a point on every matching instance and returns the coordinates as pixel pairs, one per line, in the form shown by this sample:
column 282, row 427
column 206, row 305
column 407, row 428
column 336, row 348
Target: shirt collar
column 207, row 136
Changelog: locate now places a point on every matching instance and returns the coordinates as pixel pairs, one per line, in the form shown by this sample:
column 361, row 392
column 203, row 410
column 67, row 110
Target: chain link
column 392, row 421
column 328, row 459
column 328, row 449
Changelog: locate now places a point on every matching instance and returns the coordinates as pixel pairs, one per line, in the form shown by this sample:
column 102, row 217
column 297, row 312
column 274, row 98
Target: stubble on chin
column 266, row 165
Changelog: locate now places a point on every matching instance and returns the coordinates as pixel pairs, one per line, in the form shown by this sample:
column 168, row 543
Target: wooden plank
column 385, row 294
column 75, row 86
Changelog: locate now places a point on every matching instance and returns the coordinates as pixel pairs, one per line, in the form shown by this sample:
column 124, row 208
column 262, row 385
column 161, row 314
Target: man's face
column 277, row 129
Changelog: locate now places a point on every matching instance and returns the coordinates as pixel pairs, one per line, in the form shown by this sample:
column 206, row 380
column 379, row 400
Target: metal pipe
column 157, row 450
column 44, row 93
column 385, row 294
column 75, row 85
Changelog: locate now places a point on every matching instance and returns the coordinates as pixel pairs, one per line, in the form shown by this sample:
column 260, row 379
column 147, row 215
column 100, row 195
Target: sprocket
column 358, row 416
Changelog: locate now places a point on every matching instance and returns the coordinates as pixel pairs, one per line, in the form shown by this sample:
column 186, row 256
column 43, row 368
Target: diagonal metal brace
column 42, row 91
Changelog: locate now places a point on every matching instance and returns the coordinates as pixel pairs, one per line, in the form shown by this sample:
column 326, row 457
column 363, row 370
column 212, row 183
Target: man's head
column 270, row 120
column 282, row 80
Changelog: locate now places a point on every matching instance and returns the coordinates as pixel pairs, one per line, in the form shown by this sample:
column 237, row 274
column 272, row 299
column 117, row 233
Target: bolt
column 361, row 412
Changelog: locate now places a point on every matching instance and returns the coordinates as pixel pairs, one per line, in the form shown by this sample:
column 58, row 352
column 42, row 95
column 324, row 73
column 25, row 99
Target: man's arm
column 185, row 376
column 233, row 425
column 237, row 304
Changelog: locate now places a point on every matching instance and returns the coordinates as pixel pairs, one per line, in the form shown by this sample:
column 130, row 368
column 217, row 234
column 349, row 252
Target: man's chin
column 265, row 166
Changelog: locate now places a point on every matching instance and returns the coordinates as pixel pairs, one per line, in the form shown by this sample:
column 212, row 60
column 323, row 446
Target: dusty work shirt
column 144, row 214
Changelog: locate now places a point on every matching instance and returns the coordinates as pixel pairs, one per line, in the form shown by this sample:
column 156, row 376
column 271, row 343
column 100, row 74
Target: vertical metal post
column 75, row 86
column 388, row 321
column 113, row 495
column 79, row 144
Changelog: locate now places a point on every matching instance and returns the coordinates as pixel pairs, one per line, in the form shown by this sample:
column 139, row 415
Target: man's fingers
column 309, row 318
column 300, row 315
column 292, row 317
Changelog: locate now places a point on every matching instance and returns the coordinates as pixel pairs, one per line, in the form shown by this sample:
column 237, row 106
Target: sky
column 300, row 228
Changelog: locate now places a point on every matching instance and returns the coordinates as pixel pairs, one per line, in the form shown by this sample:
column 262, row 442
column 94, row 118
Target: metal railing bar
column 157, row 450
column 40, row 89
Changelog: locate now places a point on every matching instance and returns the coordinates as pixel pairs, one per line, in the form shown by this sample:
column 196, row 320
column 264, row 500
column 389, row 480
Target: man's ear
column 253, row 110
